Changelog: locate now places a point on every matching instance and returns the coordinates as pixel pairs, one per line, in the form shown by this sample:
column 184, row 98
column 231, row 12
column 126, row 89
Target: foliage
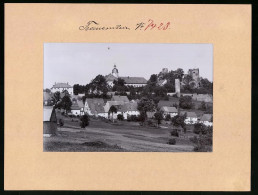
column 119, row 85
column 61, row 122
column 200, row 128
column 203, row 142
column 158, row 117
column 153, row 80
column 56, row 97
column 66, row 103
column 112, row 110
column 178, row 121
column 168, row 117
column 84, row 121
column 185, row 102
column 172, row 141
column 98, row 85
column 146, row 105
column 120, row 117
column 174, row 133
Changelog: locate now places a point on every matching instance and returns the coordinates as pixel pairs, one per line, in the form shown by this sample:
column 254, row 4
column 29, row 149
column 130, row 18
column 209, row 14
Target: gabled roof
column 96, row 105
column 75, row 106
column 168, row 109
column 49, row 114
column 110, row 77
column 120, row 98
column 129, row 106
column 188, row 114
column 206, row 117
column 165, row 103
column 80, row 103
column 134, row 80
column 62, row 85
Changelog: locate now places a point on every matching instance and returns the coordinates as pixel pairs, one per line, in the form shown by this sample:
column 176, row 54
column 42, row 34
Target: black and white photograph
column 128, row 97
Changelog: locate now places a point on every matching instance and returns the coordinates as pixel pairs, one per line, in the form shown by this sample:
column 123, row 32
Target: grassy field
column 123, row 136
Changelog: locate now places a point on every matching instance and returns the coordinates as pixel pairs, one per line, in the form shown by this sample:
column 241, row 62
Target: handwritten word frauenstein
column 150, row 25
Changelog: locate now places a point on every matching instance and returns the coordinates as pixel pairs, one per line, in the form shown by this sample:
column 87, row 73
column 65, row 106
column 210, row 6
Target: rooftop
column 62, row 85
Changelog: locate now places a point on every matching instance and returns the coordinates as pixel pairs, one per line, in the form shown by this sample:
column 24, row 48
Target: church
column 129, row 81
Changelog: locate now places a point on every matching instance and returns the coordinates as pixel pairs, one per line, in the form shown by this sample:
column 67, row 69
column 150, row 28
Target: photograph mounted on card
column 127, row 97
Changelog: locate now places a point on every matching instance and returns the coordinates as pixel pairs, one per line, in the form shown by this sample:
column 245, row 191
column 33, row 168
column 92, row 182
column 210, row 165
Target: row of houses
column 191, row 117
column 97, row 107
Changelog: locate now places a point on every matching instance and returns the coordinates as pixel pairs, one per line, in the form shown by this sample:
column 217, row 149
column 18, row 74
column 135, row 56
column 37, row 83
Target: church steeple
column 115, row 71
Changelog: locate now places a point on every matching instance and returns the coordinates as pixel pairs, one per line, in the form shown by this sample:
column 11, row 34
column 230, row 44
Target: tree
column 180, row 73
column 178, row 121
column 84, row 121
column 56, row 97
column 185, row 102
column 76, row 89
column 47, row 90
column 146, row 105
column 98, row 85
column 200, row 128
column 168, row 117
column 112, row 110
column 66, row 103
column 153, row 80
column 158, row 117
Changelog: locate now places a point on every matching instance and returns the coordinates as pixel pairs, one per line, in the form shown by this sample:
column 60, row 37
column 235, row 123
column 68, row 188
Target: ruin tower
column 115, row 72
column 177, row 87
column 194, row 73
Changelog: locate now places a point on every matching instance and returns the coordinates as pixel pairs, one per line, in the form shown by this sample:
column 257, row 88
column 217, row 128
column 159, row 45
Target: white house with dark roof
column 206, row 119
column 75, row 109
column 95, row 107
column 172, row 111
column 191, row 117
column 129, row 81
column 62, row 87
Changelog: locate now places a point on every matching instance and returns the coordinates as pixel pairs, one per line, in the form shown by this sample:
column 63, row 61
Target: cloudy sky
column 79, row 63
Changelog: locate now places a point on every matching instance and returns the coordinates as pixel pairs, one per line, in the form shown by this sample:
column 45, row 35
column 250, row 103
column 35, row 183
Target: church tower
column 115, row 72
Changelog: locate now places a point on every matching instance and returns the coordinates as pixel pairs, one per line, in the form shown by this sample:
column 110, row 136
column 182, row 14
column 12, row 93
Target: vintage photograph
column 128, row 97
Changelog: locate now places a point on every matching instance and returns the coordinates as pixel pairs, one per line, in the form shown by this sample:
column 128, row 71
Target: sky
column 79, row 63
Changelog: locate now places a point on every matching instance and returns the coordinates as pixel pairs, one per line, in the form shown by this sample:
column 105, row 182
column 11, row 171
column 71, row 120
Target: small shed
column 49, row 121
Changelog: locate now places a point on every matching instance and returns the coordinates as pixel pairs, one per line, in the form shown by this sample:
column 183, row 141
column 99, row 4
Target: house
column 49, row 121
column 129, row 109
column 129, row 81
column 95, row 107
column 120, row 98
column 206, row 119
column 172, row 111
column 117, row 104
column 81, row 106
column 47, row 99
column 166, row 103
column 75, row 109
column 62, row 87
column 191, row 117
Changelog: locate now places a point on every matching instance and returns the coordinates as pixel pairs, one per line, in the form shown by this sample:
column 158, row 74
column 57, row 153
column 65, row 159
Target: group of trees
column 98, row 87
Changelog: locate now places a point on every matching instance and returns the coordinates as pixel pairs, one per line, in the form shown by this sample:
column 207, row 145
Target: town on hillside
column 172, row 111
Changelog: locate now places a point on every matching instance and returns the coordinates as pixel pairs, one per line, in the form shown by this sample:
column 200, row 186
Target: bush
column 174, row 133
column 172, row 141
column 61, row 122
column 120, row 117
column 200, row 128
column 150, row 123
column 84, row 121
column 186, row 102
column 168, row 117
